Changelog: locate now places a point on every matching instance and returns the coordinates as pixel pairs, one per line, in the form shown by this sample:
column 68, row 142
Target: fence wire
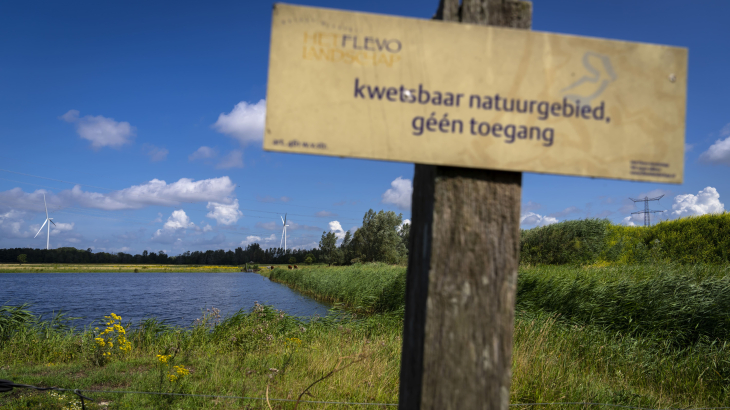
column 7, row 385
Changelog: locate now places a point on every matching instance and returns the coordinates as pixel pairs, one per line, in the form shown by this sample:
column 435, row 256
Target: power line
column 57, row 180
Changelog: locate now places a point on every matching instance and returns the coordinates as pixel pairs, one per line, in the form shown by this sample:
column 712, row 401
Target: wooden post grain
column 462, row 267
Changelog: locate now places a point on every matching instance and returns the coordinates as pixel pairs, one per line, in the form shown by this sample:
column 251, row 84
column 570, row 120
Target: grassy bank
column 248, row 352
column 373, row 287
column 239, row 356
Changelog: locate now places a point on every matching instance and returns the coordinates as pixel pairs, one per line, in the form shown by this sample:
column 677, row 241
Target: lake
column 175, row 297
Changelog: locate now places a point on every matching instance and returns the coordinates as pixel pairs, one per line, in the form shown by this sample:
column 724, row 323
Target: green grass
column 239, row 356
column 553, row 360
column 372, row 287
column 675, row 303
column 640, row 335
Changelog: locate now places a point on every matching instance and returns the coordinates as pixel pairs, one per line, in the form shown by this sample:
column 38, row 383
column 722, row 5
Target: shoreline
column 117, row 267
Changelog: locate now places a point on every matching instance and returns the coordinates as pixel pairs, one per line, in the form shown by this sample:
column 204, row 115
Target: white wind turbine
column 48, row 239
column 283, row 233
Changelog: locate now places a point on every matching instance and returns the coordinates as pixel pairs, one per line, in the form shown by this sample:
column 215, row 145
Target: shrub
column 576, row 242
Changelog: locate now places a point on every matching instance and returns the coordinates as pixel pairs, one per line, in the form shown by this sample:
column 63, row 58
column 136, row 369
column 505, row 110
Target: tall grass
column 242, row 355
column 372, row 287
column 247, row 353
column 676, row 303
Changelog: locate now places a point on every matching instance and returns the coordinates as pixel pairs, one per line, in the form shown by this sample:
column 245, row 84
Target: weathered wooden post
column 462, row 269
column 478, row 105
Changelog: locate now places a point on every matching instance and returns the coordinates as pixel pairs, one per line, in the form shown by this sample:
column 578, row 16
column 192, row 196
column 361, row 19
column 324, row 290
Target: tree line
column 382, row 237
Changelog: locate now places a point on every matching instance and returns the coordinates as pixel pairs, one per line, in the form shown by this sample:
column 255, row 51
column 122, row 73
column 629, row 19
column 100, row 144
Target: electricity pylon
column 647, row 212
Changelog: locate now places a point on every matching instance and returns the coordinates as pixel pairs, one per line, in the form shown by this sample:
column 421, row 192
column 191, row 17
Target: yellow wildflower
column 162, row 358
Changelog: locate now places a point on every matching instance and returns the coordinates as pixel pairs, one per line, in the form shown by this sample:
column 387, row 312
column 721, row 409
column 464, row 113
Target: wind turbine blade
column 39, row 231
column 44, row 204
column 49, row 220
column 282, row 220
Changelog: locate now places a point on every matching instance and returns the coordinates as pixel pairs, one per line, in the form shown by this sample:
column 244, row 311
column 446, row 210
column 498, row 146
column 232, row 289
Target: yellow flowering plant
column 110, row 342
column 172, row 376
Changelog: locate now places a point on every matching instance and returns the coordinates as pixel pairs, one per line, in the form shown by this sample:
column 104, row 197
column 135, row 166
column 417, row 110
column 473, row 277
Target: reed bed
column 675, row 303
column 369, row 288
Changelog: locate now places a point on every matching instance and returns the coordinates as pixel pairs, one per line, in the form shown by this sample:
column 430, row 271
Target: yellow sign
column 399, row 89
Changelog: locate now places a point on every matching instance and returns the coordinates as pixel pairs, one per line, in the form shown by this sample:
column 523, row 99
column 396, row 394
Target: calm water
column 175, row 297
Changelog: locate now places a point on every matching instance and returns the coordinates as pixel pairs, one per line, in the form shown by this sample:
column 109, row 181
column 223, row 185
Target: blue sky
column 141, row 123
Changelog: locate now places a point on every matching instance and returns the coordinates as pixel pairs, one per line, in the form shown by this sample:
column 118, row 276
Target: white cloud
column 207, row 228
column 400, row 194
column 245, row 122
column 531, row 218
column 718, row 153
column 203, row 153
column 251, row 239
column 156, row 154
column 155, row 192
column 706, row 201
column 337, row 229
column 12, row 225
column 224, row 214
column 61, row 226
column 178, row 220
column 101, row 131
column 257, row 239
column 234, row 159
column 405, row 221
column 633, row 220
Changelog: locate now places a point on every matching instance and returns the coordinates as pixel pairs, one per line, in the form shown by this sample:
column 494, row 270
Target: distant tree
column 405, row 233
column 292, row 260
column 309, row 259
column 378, row 240
column 346, row 248
column 22, row 258
column 328, row 246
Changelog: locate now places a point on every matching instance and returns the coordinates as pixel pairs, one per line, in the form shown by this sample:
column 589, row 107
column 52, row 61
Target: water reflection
column 177, row 297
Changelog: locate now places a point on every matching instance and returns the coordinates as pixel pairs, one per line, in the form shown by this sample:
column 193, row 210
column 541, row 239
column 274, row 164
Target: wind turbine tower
column 48, row 238
column 283, row 233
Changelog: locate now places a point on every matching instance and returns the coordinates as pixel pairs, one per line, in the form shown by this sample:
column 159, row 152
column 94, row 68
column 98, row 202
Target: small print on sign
column 397, row 89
